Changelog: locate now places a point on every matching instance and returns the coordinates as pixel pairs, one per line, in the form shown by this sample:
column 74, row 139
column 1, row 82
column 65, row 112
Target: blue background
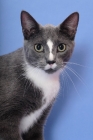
column 72, row 115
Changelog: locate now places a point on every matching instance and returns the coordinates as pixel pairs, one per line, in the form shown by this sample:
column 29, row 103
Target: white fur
column 53, row 66
column 50, row 45
column 49, row 84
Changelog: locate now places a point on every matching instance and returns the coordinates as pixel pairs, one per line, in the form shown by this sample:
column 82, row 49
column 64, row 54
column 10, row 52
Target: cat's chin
column 51, row 71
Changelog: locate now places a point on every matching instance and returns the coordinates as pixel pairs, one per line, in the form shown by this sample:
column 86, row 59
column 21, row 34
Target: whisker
column 62, row 84
column 76, row 74
column 72, row 83
column 66, row 83
column 72, row 63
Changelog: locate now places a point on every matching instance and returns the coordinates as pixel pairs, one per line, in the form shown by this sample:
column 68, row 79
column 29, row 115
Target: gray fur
column 15, row 101
column 43, row 35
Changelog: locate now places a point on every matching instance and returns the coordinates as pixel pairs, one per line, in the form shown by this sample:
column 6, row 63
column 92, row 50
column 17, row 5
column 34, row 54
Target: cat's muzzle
column 50, row 68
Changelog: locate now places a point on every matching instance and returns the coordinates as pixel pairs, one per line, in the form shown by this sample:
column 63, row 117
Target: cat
column 29, row 76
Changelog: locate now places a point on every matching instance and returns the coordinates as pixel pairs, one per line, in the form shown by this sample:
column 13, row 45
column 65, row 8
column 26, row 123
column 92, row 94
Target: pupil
column 38, row 46
column 61, row 47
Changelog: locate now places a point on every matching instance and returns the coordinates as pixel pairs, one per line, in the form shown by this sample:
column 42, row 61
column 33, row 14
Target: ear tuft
column 29, row 25
column 69, row 26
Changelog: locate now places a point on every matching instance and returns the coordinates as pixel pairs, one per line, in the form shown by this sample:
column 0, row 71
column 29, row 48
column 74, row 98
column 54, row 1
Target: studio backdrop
column 71, row 117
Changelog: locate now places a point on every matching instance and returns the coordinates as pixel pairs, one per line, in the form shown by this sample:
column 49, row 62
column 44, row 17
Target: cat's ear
column 29, row 25
column 69, row 26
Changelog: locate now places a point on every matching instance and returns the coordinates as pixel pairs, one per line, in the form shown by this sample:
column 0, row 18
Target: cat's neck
column 39, row 77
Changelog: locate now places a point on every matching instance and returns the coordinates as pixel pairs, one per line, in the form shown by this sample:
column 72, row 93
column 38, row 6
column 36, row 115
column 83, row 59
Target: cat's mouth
column 51, row 68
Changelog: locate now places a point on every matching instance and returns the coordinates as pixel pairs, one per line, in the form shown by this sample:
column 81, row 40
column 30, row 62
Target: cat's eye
column 61, row 47
column 39, row 48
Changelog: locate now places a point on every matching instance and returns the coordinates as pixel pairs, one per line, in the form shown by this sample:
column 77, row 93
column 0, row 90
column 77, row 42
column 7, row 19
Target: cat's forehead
column 50, row 32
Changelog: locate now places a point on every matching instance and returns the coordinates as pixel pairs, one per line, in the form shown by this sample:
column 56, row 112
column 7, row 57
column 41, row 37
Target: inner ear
column 29, row 25
column 69, row 26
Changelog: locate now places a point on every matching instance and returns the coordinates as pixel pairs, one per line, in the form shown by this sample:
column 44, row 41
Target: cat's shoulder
column 11, row 58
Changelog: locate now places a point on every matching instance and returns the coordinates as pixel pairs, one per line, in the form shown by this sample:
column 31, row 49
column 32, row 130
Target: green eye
column 39, row 48
column 61, row 47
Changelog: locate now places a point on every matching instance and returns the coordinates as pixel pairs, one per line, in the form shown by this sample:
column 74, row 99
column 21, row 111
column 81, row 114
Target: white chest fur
column 49, row 84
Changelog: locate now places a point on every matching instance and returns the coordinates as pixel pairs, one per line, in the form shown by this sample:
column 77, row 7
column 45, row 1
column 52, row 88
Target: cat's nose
column 51, row 62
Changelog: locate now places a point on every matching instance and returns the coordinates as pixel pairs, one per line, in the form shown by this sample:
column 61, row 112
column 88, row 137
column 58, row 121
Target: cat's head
column 48, row 47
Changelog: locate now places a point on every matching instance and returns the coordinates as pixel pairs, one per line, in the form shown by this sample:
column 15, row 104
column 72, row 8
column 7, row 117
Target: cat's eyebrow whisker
column 72, row 83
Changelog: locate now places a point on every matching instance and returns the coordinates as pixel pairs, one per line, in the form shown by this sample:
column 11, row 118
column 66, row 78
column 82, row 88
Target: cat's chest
column 50, row 88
